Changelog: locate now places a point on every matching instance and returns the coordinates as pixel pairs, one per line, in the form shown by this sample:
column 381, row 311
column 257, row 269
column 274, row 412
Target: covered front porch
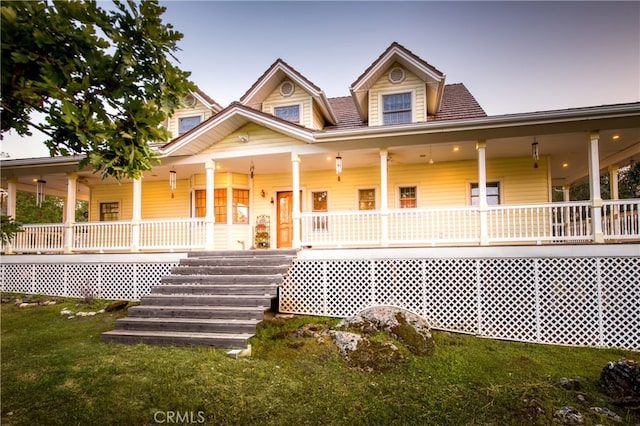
column 484, row 182
column 551, row 223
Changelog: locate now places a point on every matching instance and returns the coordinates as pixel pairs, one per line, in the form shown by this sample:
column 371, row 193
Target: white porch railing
column 526, row 224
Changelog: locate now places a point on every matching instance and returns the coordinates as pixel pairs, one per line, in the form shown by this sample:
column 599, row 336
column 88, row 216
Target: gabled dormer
column 285, row 93
column 196, row 108
column 398, row 88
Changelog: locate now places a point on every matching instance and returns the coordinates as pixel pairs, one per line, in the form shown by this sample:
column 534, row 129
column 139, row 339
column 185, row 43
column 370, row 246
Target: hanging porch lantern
column 338, row 166
column 172, row 181
column 41, row 186
column 535, row 153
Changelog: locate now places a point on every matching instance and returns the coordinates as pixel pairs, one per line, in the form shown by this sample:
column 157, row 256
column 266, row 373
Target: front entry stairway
column 213, row 298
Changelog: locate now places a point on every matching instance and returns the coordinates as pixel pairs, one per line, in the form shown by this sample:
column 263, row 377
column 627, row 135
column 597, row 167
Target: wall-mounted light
column 535, row 153
column 338, row 166
column 243, row 138
column 263, row 194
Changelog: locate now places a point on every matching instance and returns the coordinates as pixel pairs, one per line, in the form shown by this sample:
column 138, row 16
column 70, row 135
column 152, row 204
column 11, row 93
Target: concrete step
column 270, row 290
column 210, row 300
column 223, row 279
column 283, row 261
column 192, row 325
column 212, row 312
column 218, row 340
column 244, row 253
column 229, row 270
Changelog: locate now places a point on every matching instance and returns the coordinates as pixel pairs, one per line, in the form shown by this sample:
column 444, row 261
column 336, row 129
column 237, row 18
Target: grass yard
column 56, row 371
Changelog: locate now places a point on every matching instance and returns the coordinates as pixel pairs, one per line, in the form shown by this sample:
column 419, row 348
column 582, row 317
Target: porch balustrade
column 567, row 222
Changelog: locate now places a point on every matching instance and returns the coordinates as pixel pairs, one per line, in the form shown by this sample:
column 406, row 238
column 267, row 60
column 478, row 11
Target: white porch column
column 481, row 147
column 613, row 182
column 566, row 193
column 12, row 184
column 210, row 217
column 136, row 215
column 70, row 211
column 594, row 188
column 295, row 215
column 384, row 198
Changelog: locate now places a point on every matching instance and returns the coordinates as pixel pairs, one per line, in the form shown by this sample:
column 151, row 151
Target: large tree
column 103, row 80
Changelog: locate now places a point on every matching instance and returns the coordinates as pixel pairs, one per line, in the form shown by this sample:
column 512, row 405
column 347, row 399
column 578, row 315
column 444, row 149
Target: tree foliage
column 103, row 80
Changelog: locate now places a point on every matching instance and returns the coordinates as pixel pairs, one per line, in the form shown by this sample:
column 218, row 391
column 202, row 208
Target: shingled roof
column 457, row 104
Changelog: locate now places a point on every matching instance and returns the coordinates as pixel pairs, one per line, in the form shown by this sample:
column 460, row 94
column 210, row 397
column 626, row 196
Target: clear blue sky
column 513, row 56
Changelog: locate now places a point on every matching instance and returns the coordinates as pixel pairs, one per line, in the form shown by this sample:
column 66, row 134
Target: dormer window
column 396, row 108
column 187, row 123
column 289, row 113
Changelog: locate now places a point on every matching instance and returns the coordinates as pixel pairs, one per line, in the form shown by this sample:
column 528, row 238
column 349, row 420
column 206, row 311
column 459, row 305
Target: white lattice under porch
column 570, row 295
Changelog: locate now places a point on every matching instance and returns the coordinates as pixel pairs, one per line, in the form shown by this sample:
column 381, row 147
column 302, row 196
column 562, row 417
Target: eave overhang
column 500, row 126
column 226, row 122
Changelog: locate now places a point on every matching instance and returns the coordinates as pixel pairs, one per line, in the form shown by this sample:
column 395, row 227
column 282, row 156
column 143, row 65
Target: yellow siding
column 443, row 184
column 383, row 86
column 259, row 137
column 199, row 109
column 158, row 204
column 122, row 193
column 308, row 117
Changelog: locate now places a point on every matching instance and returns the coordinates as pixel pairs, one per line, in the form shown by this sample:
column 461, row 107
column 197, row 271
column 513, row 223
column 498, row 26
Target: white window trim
column 377, row 197
column 310, row 200
column 396, row 91
column 192, row 198
column 408, row 185
column 300, row 106
column 186, row 115
column 500, row 186
column 110, row 201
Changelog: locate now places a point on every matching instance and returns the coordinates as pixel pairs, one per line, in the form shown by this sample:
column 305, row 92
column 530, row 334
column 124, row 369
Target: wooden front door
column 285, row 220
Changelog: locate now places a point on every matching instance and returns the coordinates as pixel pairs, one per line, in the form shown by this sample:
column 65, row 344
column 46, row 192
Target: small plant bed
column 58, row 372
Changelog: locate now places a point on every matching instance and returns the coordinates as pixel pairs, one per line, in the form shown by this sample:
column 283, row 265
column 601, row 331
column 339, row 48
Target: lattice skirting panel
column 581, row 301
column 121, row 279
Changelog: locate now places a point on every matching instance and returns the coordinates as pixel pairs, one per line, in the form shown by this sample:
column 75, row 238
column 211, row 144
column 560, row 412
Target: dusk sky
column 514, row 57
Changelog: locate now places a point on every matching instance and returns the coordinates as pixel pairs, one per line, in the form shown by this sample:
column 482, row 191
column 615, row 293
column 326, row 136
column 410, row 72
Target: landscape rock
column 116, row 306
column 413, row 331
column 620, row 380
column 570, row 384
column 67, row 312
column 568, row 414
column 346, row 341
column 608, row 413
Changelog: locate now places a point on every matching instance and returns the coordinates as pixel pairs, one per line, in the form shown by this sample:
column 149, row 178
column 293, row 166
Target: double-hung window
column 396, row 108
column 367, row 199
column 109, row 211
column 493, row 194
column 290, row 113
column 408, row 197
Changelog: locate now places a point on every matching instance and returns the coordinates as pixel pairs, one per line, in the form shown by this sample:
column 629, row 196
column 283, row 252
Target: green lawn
column 56, row 371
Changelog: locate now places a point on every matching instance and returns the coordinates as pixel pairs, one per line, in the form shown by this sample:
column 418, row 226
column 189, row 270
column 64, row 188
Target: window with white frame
column 319, row 204
column 493, row 194
column 187, row 123
column 219, row 204
column 289, row 113
column 408, row 197
column 396, row 108
column 367, row 199
column 240, row 205
column 109, row 211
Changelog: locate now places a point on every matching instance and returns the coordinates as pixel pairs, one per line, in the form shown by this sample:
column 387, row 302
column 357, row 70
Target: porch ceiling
column 567, row 154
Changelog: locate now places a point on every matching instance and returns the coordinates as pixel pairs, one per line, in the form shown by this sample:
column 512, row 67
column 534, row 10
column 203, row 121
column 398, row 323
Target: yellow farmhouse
column 405, row 160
